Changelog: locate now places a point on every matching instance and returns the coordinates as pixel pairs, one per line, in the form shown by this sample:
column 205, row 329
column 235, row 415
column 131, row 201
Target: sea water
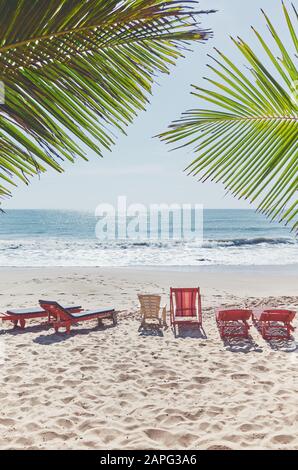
column 37, row 238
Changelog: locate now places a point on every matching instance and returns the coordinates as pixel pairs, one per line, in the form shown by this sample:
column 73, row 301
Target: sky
column 141, row 167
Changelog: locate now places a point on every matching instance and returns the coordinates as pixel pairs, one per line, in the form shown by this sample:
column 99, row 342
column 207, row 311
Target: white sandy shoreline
column 114, row 388
column 244, row 280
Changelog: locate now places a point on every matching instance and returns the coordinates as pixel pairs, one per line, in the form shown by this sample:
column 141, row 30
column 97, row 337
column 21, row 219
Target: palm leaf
column 248, row 136
column 82, row 70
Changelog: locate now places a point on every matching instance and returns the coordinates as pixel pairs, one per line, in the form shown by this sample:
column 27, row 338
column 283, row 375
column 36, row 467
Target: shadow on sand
column 29, row 329
column 189, row 331
column 285, row 345
column 62, row 336
column 242, row 345
column 279, row 344
column 151, row 330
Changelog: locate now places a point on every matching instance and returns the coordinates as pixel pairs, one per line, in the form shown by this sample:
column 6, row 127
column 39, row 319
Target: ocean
column 38, row 238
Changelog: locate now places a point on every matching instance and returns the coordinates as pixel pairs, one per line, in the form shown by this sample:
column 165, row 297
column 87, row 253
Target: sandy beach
column 118, row 388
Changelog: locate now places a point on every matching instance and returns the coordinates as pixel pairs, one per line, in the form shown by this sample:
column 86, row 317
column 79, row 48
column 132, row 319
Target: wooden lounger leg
column 56, row 329
column 67, row 329
column 15, row 323
column 114, row 318
column 164, row 316
column 22, row 323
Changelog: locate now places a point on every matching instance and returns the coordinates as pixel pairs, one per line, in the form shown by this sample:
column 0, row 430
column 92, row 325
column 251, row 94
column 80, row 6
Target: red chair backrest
column 55, row 309
column 278, row 315
column 186, row 301
column 234, row 314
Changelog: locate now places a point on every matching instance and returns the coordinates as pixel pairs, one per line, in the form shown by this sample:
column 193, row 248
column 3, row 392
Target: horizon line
column 91, row 210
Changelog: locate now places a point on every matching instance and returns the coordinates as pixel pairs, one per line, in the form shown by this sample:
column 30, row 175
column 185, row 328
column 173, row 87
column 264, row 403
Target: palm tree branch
column 248, row 140
column 75, row 72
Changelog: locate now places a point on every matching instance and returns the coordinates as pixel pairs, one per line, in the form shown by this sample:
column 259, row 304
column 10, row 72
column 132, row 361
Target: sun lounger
column 150, row 310
column 233, row 323
column 185, row 307
column 274, row 323
column 63, row 318
column 19, row 316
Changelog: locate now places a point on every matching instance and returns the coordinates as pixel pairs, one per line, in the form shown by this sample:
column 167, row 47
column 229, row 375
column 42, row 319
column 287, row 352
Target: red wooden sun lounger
column 233, row 323
column 63, row 318
column 274, row 323
column 19, row 316
column 185, row 307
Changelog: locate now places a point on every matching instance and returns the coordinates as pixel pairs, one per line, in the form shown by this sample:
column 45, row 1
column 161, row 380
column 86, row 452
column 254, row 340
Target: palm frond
column 80, row 69
column 248, row 136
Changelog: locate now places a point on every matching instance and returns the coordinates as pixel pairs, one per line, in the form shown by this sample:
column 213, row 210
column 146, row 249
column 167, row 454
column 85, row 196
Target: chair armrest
column 164, row 315
column 171, row 315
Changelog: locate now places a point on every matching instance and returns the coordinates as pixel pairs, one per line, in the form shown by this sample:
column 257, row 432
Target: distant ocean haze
column 37, row 238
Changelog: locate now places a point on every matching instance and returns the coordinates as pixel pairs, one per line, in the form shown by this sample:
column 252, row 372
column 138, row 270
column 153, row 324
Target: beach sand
column 118, row 388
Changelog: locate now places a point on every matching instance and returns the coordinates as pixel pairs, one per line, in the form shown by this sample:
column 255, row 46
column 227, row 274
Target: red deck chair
column 233, row 323
column 62, row 317
column 185, row 307
column 274, row 323
column 19, row 316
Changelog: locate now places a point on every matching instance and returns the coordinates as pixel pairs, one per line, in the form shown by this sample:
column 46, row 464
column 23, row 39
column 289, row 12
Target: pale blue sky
column 140, row 167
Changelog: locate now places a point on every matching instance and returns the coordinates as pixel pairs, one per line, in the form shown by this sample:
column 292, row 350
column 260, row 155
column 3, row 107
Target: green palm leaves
column 248, row 136
column 75, row 71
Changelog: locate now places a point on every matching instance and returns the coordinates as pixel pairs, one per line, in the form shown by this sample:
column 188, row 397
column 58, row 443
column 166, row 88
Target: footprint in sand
column 65, row 423
column 7, row 422
column 219, row 447
column 283, row 439
column 240, row 376
column 202, row 380
column 32, row 427
column 261, row 369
